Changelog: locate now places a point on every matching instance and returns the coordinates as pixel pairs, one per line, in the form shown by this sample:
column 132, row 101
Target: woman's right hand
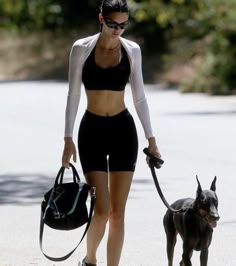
column 69, row 150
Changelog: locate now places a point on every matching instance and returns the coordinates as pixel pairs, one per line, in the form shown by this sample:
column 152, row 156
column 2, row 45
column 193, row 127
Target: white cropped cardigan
column 78, row 55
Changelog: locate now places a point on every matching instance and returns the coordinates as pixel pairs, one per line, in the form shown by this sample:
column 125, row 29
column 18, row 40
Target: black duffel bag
column 64, row 207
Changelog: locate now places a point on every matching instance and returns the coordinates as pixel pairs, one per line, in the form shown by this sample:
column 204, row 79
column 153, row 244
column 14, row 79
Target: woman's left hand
column 152, row 147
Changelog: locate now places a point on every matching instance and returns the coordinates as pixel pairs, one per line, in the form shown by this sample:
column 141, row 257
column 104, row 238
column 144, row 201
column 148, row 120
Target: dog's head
column 206, row 204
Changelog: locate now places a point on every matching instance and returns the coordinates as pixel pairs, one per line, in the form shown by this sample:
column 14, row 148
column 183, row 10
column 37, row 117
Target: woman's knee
column 101, row 216
column 116, row 217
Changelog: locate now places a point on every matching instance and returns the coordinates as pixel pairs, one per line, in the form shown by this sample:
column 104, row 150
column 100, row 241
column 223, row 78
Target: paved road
column 196, row 135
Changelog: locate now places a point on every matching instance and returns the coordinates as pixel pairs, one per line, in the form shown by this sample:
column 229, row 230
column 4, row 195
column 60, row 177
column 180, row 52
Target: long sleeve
column 75, row 80
column 138, row 93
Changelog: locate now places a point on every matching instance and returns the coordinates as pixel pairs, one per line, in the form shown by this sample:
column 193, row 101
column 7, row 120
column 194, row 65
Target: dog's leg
column 171, row 235
column 204, row 257
column 171, row 241
column 187, row 254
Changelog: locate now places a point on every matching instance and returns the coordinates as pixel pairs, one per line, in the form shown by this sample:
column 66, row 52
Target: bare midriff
column 105, row 102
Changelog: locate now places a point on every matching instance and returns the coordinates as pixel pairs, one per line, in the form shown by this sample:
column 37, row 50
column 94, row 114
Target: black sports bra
column 114, row 78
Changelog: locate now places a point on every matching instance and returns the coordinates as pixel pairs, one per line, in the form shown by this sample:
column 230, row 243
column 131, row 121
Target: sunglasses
column 114, row 25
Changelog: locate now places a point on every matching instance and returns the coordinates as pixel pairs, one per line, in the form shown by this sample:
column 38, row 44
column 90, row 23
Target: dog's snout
column 214, row 213
column 215, row 216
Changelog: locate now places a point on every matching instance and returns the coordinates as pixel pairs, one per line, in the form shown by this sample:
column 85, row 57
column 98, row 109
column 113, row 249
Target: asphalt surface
column 195, row 133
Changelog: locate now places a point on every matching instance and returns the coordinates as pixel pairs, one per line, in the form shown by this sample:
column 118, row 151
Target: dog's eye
column 203, row 199
column 204, row 202
column 216, row 203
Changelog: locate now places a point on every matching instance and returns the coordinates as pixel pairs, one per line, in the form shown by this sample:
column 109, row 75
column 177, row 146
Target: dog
column 194, row 224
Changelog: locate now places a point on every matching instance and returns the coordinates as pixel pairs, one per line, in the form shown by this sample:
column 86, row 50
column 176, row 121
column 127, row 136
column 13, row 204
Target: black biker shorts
column 107, row 143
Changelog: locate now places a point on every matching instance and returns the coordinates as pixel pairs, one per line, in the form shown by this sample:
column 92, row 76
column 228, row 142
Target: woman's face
column 115, row 23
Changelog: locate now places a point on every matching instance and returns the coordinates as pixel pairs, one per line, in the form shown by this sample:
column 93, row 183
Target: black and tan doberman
column 195, row 225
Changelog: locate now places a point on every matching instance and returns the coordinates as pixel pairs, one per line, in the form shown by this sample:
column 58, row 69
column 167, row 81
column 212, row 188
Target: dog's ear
column 213, row 185
column 199, row 188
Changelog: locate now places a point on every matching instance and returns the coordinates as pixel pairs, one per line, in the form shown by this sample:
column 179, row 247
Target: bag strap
column 92, row 204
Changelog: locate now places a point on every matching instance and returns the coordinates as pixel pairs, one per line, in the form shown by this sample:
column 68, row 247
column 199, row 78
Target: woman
column 107, row 139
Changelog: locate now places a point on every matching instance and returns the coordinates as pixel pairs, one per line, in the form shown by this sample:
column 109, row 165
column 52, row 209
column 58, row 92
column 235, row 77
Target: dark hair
column 109, row 6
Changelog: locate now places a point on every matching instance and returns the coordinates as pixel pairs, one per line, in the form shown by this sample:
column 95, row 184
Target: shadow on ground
column 23, row 189
column 27, row 189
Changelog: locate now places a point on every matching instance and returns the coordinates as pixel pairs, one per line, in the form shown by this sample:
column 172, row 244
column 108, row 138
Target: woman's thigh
column 119, row 183
column 123, row 148
column 92, row 143
column 99, row 180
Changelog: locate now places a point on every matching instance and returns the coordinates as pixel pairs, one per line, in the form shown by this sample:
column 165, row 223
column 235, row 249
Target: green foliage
column 212, row 21
column 217, row 73
column 29, row 15
column 157, row 24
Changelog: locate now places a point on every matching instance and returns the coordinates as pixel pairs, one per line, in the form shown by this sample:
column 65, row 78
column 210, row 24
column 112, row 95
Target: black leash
column 153, row 163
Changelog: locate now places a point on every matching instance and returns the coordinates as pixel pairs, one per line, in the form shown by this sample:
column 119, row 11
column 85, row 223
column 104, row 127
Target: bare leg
column 101, row 213
column 120, row 183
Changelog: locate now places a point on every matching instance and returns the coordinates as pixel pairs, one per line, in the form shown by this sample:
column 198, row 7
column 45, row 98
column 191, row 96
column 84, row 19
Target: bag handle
column 92, row 204
column 60, row 175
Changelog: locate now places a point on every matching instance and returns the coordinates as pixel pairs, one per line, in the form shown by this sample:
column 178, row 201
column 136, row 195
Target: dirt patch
column 179, row 73
column 35, row 56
